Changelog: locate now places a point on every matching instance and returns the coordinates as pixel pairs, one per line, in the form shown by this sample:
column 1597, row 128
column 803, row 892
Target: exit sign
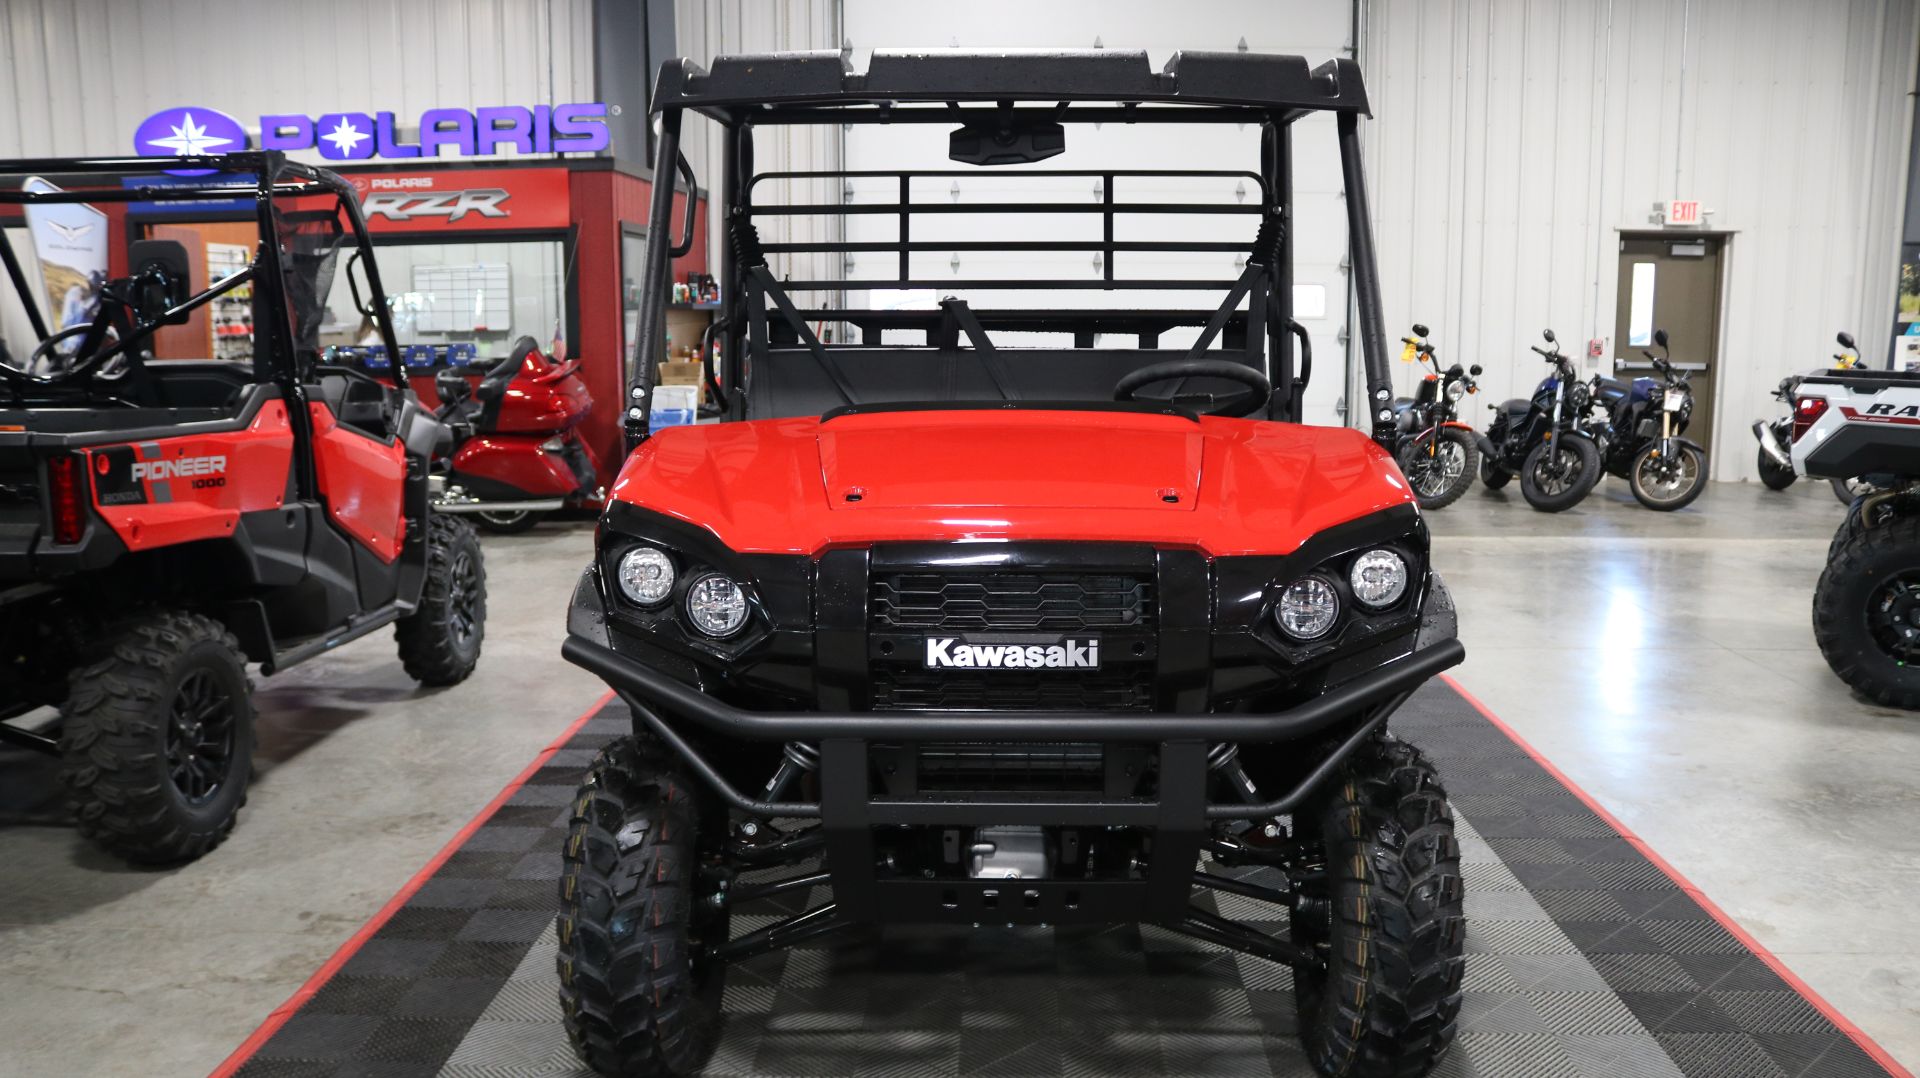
column 1683, row 213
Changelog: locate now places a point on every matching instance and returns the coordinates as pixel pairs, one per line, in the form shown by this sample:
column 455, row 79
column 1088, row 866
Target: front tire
column 440, row 641
column 1866, row 611
column 1439, row 466
column 1664, row 484
column 638, row 1000
column 1559, row 472
column 1386, row 915
column 509, row 523
column 157, row 742
column 1773, row 474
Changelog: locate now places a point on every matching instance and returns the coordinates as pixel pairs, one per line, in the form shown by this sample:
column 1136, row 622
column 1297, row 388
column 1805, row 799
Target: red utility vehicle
column 164, row 522
column 1008, row 630
column 518, row 454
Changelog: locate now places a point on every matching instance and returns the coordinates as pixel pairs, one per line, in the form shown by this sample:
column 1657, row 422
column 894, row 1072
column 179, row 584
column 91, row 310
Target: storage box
column 685, row 374
column 673, row 406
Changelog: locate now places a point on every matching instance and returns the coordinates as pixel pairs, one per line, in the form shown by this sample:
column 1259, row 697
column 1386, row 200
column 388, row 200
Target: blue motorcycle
column 1639, row 425
column 1541, row 441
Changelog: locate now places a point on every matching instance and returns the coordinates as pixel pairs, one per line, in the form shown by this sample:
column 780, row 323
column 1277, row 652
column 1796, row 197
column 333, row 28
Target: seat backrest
column 791, row 381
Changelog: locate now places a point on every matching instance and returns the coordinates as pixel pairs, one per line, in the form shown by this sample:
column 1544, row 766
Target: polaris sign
column 358, row 136
column 949, row 652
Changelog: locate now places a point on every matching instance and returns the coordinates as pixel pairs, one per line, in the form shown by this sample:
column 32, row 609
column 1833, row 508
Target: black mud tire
column 1585, row 476
column 1867, row 600
column 157, row 739
column 1386, row 914
column 440, row 641
column 1451, row 441
column 1773, row 474
column 514, row 523
column 1650, row 497
column 637, row 1001
column 1492, row 475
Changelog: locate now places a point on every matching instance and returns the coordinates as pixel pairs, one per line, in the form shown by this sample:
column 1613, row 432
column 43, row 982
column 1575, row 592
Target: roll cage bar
column 268, row 177
column 965, row 87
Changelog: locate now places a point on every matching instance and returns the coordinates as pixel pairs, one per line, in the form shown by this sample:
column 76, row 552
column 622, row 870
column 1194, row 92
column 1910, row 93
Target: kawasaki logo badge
column 1069, row 653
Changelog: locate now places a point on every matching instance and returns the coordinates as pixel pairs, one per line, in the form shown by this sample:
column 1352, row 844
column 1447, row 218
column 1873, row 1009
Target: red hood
column 1224, row 486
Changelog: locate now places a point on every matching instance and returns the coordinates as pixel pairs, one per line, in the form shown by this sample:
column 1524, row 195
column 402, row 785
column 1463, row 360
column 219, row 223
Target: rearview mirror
column 1006, row 143
column 1474, row 370
column 162, row 276
column 1419, row 330
column 1660, row 337
column 1846, row 340
column 1548, row 334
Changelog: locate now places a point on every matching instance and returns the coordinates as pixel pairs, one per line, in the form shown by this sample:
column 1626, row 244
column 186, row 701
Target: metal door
column 1671, row 282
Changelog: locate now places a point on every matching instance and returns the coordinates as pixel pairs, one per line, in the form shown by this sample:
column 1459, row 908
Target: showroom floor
column 1663, row 663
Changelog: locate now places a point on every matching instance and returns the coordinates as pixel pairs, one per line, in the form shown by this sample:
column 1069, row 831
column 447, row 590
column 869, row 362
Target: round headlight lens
column 716, row 605
column 1379, row 578
column 646, row 575
column 1308, row 608
column 1456, row 391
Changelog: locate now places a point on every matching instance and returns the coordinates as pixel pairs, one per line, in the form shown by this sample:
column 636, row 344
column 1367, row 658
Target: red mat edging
column 1827, row 1010
column 280, row 1015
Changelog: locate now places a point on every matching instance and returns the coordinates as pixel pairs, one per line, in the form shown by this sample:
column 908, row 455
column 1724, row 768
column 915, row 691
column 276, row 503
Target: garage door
column 1315, row 30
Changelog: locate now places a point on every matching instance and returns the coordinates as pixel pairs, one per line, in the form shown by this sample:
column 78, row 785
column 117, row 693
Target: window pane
column 1640, row 311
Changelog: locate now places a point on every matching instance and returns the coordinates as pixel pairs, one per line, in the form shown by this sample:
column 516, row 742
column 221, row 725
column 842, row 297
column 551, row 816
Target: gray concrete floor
column 1663, row 662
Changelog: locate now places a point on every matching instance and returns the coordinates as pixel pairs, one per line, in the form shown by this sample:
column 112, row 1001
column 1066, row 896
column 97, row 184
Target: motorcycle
column 1435, row 450
column 1776, row 470
column 1638, row 431
column 1540, row 440
column 517, row 452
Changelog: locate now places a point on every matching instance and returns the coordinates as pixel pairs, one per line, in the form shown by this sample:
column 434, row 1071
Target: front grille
column 902, row 687
column 946, row 768
column 1065, row 602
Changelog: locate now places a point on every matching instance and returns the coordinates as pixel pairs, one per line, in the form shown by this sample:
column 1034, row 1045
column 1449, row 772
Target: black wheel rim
column 1435, row 466
column 200, row 735
column 1556, row 470
column 463, row 599
column 1893, row 617
column 1667, row 477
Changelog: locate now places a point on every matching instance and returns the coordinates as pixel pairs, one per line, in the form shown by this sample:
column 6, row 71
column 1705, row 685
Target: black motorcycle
column 1540, row 440
column 1637, row 425
column 1435, row 449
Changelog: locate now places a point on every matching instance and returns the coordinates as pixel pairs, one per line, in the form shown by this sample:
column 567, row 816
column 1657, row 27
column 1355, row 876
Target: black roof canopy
column 793, row 86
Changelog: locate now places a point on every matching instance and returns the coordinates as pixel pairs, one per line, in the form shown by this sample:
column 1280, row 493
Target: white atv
column 1866, row 608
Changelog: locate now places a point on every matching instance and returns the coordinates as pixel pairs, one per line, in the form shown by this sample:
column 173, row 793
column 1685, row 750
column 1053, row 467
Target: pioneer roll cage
column 1253, row 323
column 270, row 181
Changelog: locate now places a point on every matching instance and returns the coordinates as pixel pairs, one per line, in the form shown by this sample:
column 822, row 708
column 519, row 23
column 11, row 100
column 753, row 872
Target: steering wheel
column 1244, row 402
column 64, row 368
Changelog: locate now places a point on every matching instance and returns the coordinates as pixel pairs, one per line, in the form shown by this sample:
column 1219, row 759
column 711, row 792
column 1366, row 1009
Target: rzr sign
column 479, row 199
column 359, row 136
column 452, row 205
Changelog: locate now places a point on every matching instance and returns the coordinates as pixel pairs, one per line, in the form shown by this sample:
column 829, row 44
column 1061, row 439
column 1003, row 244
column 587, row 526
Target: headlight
column 646, row 576
column 716, row 605
column 1379, row 578
column 1456, row 391
column 1308, row 608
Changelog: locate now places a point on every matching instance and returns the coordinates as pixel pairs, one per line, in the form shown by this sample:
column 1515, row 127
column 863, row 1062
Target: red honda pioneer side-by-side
column 185, row 487
column 975, row 617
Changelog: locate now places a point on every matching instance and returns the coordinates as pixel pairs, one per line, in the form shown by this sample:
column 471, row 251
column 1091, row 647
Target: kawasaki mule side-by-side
column 167, row 518
column 1000, row 622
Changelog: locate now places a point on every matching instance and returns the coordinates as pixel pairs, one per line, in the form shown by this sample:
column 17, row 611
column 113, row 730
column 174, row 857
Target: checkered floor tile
column 1583, row 960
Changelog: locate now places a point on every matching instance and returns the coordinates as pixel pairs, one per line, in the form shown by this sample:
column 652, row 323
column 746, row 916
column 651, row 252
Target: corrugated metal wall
column 709, row 28
column 1515, row 138
column 81, row 74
